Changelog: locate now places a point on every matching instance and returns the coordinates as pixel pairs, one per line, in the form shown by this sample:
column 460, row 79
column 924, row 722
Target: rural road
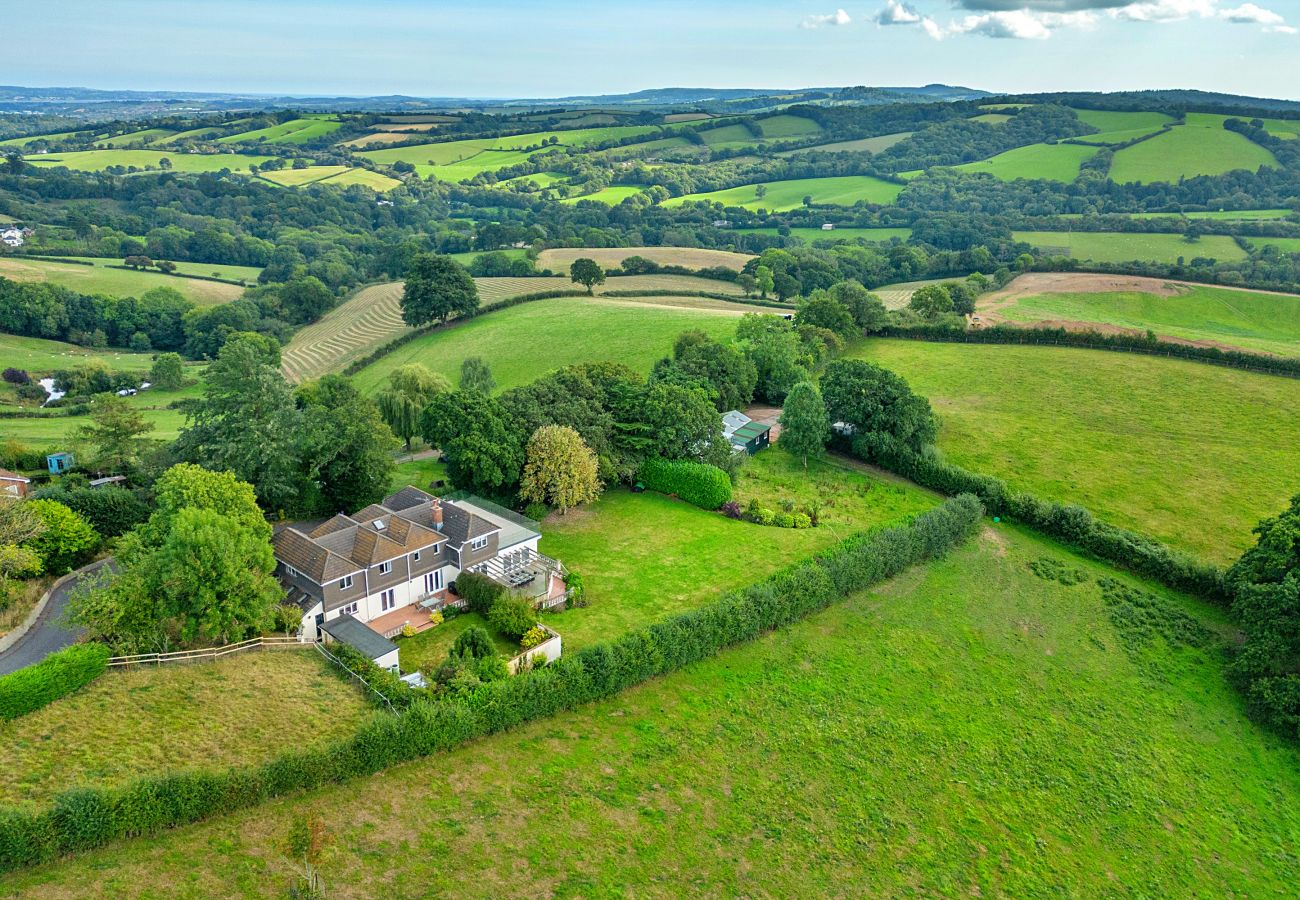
column 49, row 632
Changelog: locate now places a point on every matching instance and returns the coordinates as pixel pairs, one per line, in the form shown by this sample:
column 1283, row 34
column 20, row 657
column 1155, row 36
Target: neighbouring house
column 743, row 433
column 12, row 484
column 392, row 564
column 12, row 237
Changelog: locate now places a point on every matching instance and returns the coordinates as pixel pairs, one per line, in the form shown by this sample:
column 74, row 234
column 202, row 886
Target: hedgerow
column 58, row 675
column 699, row 484
column 89, row 817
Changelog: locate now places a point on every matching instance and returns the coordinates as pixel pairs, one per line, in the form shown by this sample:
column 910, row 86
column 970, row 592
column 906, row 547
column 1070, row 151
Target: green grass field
column 1185, row 152
column 610, row 196
column 193, row 134
column 24, row 141
column 785, row 127
column 132, row 723
column 40, row 355
column 1250, row 321
column 144, row 136
column 991, row 118
column 966, row 729
column 1220, row 215
column 484, row 161
column 813, row 235
column 843, row 190
column 444, row 154
column 295, row 131
column 1053, row 162
column 527, row 341
column 101, row 279
column 1286, row 245
column 538, row 181
column 1287, row 129
column 862, row 145
column 559, row 259
column 1114, row 121
column 299, row 177
column 1189, row 453
column 99, row 160
column 1118, row 246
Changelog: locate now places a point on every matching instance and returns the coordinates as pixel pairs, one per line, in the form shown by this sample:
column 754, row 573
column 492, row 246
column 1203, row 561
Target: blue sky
column 534, row 48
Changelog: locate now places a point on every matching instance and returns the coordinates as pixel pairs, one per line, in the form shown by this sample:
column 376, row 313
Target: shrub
column 802, row 521
column 473, row 643
column 16, row 376
column 785, row 520
column 699, row 484
column 512, row 615
column 68, row 538
column 58, row 675
column 764, row 516
column 573, row 581
column 111, row 510
column 408, row 630
column 731, row 509
column 479, row 591
column 535, row 636
column 536, row 511
column 436, row 618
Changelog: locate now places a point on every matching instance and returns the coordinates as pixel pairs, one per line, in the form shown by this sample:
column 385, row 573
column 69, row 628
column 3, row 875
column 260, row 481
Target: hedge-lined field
column 1122, row 246
column 1185, row 152
column 130, row 723
column 295, row 131
column 818, row 757
column 1241, row 319
column 843, row 190
column 99, row 160
column 100, row 278
column 559, row 259
column 1193, row 455
column 40, row 355
column 1054, row 162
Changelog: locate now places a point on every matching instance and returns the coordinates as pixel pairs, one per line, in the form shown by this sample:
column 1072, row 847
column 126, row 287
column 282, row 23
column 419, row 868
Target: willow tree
column 410, row 388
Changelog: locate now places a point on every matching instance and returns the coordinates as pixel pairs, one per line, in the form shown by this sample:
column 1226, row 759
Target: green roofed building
column 744, row 433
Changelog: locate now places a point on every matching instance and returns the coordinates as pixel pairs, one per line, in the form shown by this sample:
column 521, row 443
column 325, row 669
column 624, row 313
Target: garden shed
column 363, row 639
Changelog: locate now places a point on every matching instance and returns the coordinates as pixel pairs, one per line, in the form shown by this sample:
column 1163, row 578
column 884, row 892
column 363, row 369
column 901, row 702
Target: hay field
column 99, row 160
column 862, row 145
column 610, row 196
column 1118, row 246
column 112, row 282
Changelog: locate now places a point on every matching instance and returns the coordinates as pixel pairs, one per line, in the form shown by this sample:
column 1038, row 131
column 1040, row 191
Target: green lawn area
column 1185, row 152
column 1119, row 246
column 131, row 723
column 102, row 278
column 781, row 196
column 1189, row 453
column 1243, row 319
column 99, row 160
column 1054, row 162
column 430, row 647
column 557, row 331
column 966, row 729
column 418, row 472
column 645, row 556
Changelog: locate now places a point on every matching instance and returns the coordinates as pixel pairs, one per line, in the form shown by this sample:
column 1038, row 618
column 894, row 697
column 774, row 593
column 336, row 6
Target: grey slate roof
column 360, row 637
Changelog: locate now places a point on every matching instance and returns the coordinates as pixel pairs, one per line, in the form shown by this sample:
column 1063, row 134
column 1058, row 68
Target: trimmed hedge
column 699, row 484
column 478, row 591
column 58, row 675
column 1074, row 525
column 1092, row 340
column 90, row 817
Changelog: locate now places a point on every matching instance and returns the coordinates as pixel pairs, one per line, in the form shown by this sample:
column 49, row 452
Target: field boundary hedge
column 1071, row 524
column 62, row 259
column 85, row 818
column 238, row 283
column 58, row 675
column 1094, row 340
column 710, row 295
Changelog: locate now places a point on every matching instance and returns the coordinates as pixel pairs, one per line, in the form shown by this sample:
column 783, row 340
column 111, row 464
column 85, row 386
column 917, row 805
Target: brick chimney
column 437, row 515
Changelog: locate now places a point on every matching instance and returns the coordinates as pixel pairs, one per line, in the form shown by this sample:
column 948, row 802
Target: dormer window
column 478, row 543
column 385, row 568
column 290, row 570
column 345, row 582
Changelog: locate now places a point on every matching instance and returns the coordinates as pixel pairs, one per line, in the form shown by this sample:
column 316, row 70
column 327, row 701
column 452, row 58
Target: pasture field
column 1218, row 215
column 785, row 127
column 867, row 745
column 1287, row 129
column 541, row 180
column 1114, row 121
column 1122, row 246
column 468, row 257
column 527, row 341
column 40, row 355
column 991, row 118
column 24, row 141
column 1185, row 152
column 1286, row 245
column 1192, row 454
column 447, row 152
column 560, row 259
column 610, row 196
column 376, row 181
column 193, row 134
column 299, row 177
column 862, row 145
column 113, row 282
column 1052, row 162
column 144, row 136
column 781, row 196
column 484, row 161
column 135, row 722
column 295, row 131
column 1221, row 316
column 99, row 160
column 729, row 135
column 152, row 405
column 373, row 316
column 1111, row 138
column 813, row 235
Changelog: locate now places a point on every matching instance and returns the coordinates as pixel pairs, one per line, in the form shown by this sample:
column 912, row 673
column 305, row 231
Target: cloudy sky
column 493, row 48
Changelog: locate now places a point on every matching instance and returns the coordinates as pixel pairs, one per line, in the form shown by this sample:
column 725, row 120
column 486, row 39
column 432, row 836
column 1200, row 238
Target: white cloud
column 896, row 13
column 839, row 17
column 1021, row 24
column 1165, row 10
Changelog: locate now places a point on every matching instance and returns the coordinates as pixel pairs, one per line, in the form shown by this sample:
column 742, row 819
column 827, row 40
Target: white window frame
column 415, row 557
column 433, row 581
column 290, row 570
column 478, row 543
column 387, row 599
column 385, row 567
column 345, row 582
column 350, row 609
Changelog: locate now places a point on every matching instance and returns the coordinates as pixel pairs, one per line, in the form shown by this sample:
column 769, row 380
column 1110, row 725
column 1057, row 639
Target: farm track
column 373, row 316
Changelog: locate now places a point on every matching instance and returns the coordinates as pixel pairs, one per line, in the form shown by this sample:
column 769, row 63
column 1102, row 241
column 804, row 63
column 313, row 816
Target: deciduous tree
column 588, row 273
column 437, row 287
column 805, row 425
column 116, row 430
column 560, row 470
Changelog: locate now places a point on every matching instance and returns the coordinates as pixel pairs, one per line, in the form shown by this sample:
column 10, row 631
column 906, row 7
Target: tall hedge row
column 89, row 817
column 61, row 673
column 699, row 484
column 1073, row 525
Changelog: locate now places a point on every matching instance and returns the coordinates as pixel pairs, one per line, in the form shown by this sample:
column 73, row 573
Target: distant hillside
column 1192, row 101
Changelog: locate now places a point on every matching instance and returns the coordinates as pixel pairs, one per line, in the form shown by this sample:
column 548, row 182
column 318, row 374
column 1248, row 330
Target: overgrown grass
column 127, row 724
column 1194, row 455
column 1251, row 321
column 968, row 728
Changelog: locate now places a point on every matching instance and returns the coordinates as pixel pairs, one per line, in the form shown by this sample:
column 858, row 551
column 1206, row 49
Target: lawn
column 966, row 729
column 1053, row 162
column 131, row 723
column 113, row 282
column 781, row 196
column 611, row 257
column 1242, row 319
column 1185, row 152
column 1119, row 246
column 862, row 145
column 419, row 472
column 645, row 556
column 1189, row 453
column 559, row 332
column 430, row 647
column 99, row 160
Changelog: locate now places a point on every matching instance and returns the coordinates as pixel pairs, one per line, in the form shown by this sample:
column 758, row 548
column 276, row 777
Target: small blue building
column 59, row 463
